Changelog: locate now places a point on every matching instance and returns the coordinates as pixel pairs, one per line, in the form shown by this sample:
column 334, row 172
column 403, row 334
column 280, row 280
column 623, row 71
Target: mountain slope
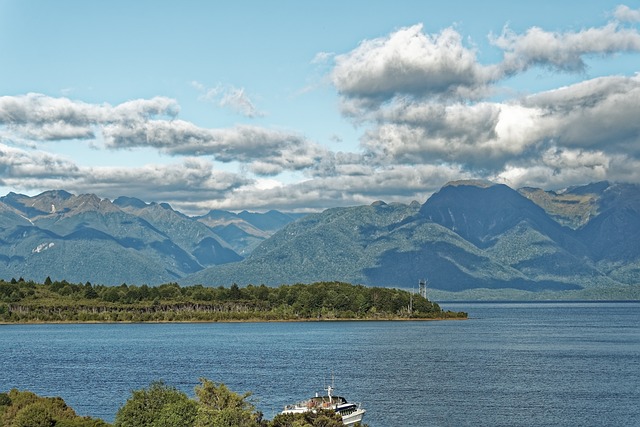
column 606, row 217
column 319, row 247
column 468, row 235
column 569, row 208
column 614, row 233
column 243, row 232
column 197, row 239
column 85, row 238
column 513, row 231
column 382, row 245
column 613, row 236
column 480, row 213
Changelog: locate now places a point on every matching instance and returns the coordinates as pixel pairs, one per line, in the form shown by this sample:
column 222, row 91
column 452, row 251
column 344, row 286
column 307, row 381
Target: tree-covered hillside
column 61, row 301
column 469, row 239
column 86, row 238
column 469, row 236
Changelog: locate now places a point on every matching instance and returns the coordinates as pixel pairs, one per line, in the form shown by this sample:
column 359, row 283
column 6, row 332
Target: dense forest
column 159, row 405
column 61, row 301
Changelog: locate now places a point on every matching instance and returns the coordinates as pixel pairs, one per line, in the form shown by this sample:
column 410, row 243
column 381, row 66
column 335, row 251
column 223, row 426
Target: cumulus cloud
column 391, row 184
column 409, row 62
column 598, row 114
column 265, row 151
column 425, row 99
column 428, row 113
column 480, row 136
column 626, row 14
column 17, row 165
column 560, row 168
column 32, row 170
column 45, row 118
column 166, row 182
column 562, row 51
column 193, row 183
column 410, row 70
column 153, row 123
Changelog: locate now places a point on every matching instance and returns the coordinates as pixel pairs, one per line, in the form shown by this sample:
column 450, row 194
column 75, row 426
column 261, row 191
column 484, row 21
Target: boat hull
column 351, row 413
column 355, row 417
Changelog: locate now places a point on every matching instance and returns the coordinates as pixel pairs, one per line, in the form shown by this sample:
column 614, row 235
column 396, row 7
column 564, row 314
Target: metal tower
column 423, row 288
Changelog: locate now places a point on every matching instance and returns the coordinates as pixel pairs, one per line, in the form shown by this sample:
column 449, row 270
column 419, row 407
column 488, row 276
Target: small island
column 24, row 301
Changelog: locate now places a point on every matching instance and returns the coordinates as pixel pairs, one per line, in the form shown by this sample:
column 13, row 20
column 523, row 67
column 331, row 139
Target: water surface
column 551, row 364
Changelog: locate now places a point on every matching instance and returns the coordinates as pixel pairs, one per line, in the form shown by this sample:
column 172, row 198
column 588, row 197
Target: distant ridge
column 82, row 238
column 468, row 237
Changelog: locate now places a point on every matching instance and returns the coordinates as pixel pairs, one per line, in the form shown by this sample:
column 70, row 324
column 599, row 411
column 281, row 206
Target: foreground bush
column 26, row 409
column 159, row 405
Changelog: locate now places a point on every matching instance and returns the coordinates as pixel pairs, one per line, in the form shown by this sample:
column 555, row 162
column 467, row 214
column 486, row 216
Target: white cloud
column 599, row 113
column 563, row 51
column 558, row 168
column 626, row 14
column 479, row 135
column 423, row 100
column 153, row 123
column 426, row 109
column 409, row 63
column 322, row 57
column 17, row 165
column 391, row 184
column 179, row 184
column 264, row 151
column 40, row 117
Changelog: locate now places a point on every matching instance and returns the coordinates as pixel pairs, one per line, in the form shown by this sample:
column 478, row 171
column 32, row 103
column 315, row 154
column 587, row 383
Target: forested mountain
column 85, row 238
column 468, row 235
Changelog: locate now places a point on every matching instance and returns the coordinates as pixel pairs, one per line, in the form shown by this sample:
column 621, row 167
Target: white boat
column 351, row 412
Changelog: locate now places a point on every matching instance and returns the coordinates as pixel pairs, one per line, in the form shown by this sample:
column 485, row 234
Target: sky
column 302, row 106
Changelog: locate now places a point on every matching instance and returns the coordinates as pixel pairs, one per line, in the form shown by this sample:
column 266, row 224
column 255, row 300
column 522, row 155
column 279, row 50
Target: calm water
column 542, row 364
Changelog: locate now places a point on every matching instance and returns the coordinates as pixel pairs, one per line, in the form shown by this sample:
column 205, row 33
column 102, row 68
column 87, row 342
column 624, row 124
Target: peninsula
column 60, row 301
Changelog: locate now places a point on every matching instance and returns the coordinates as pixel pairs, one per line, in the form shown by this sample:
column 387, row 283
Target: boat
column 351, row 413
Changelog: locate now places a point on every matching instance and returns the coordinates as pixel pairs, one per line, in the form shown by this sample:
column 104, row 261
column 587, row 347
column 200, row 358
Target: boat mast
column 329, row 388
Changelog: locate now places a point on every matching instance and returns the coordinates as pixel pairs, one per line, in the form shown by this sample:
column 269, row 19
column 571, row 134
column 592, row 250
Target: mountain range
column 471, row 239
column 84, row 238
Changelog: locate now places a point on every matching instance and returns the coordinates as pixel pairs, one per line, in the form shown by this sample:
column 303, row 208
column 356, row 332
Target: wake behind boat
column 351, row 412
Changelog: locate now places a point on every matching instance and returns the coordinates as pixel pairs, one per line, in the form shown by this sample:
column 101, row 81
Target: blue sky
column 307, row 105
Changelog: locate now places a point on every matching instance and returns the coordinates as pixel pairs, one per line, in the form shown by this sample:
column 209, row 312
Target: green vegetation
column 26, row 409
column 60, row 301
column 159, row 405
column 569, row 209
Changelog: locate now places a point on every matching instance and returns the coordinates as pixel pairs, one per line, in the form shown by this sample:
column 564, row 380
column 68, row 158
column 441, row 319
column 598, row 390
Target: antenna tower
column 423, row 288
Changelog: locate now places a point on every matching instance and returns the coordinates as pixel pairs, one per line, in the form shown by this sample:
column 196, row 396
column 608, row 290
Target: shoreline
column 61, row 302
column 96, row 322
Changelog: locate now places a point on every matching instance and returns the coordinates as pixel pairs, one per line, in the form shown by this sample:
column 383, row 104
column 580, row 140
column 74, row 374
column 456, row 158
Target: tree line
column 158, row 405
column 52, row 301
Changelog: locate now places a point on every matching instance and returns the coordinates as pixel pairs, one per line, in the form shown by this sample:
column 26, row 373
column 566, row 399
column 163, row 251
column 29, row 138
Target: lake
column 510, row 364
